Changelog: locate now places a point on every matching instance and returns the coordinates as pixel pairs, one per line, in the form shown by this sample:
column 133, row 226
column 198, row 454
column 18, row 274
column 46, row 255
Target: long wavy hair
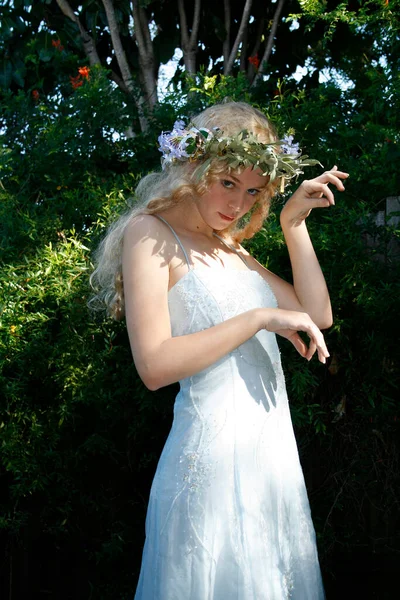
column 176, row 184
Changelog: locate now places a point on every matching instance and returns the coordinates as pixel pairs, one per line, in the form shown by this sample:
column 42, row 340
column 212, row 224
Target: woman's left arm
column 308, row 280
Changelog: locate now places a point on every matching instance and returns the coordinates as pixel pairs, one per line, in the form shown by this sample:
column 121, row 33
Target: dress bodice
column 208, row 296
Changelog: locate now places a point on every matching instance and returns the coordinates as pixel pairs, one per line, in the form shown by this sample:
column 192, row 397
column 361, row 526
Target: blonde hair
column 178, row 183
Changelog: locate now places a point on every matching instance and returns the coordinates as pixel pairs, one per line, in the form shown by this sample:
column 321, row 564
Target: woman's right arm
column 161, row 359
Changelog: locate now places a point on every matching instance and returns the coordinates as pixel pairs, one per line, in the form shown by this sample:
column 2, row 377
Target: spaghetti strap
column 231, row 248
column 177, row 239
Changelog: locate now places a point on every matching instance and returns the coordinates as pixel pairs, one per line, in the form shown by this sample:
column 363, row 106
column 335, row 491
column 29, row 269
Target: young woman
column 228, row 516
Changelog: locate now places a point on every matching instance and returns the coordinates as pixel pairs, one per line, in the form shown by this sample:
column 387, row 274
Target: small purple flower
column 288, row 146
column 179, row 125
column 172, row 144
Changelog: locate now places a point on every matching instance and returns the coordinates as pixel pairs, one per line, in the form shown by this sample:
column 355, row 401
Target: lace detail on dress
column 288, row 584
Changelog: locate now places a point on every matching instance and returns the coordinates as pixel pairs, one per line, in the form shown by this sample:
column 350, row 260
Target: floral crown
column 243, row 149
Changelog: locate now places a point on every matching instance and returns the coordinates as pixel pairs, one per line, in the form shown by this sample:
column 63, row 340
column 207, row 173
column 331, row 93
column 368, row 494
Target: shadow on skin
column 199, row 252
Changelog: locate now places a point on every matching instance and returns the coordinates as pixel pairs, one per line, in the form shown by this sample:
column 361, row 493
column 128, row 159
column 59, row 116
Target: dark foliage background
column 80, row 435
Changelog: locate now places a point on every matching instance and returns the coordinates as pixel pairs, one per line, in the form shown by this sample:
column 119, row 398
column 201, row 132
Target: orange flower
column 254, row 60
column 84, row 72
column 57, row 45
column 76, row 81
column 35, row 95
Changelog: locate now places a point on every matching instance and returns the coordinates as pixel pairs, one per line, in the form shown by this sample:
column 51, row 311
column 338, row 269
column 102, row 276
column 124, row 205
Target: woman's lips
column 226, row 218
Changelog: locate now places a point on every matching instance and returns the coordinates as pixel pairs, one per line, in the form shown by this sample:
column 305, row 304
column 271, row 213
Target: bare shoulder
column 145, row 264
column 142, row 227
column 147, row 236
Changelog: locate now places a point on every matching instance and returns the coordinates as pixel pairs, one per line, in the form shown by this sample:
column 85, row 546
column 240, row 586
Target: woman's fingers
column 312, row 193
column 317, row 343
column 335, row 171
column 332, row 176
column 298, row 343
column 311, row 349
column 319, row 187
column 318, row 190
column 307, row 352
column 289, row 323
column 317, row 340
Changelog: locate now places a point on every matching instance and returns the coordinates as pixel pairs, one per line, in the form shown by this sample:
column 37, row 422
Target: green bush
column 80, row 434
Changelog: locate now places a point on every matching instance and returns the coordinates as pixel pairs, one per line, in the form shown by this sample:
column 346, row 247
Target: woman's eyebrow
column 254, row 187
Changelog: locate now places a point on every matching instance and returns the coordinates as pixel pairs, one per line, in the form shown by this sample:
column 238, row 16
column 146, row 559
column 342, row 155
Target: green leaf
column 6, row 74
column 46, row 54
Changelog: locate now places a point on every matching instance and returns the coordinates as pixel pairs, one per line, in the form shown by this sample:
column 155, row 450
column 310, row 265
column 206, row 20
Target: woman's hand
column 312, row 193
column 288, row 323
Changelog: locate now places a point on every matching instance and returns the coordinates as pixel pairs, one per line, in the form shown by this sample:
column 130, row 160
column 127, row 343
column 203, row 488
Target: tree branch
column 138, row 29
column 67, row 10
column 119, row 81
column 89, row 45
column 189, row 42
column 270, row 42
column 257, row 42
column 243, row 24
column 256, row 47
column 144, row 25
column 195, row 25
column 227, row 42
column 146, row 54
column 117, row 45
column 183, row 24
column 243, row 51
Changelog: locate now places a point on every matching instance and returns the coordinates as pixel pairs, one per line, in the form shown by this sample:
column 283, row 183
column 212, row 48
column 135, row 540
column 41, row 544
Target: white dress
column 228, row 516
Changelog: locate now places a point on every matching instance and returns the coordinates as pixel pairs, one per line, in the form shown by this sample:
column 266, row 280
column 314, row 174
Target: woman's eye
column 253, row 192
column 228, row 184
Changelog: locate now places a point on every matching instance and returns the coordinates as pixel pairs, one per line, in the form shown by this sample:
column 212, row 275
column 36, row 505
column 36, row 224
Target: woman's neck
column 186, row 218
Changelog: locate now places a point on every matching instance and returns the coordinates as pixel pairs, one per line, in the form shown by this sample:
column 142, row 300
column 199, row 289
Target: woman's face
column 231, row 197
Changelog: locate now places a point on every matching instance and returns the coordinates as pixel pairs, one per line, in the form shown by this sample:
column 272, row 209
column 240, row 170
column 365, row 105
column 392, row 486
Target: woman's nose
column 236, row 203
